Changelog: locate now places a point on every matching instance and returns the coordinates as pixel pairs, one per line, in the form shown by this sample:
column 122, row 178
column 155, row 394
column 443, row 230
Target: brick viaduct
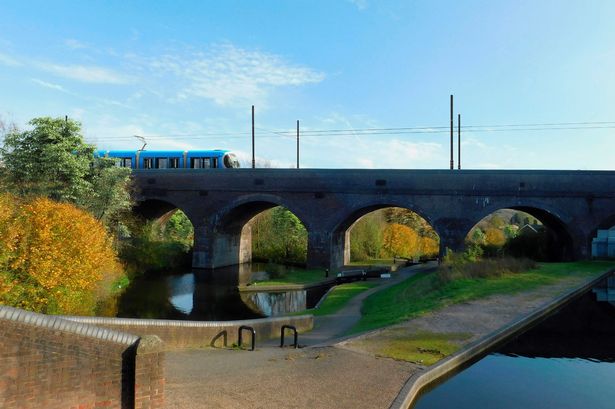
column 220, row 202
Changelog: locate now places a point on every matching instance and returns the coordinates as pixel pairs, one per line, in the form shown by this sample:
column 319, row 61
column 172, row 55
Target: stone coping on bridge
column 180, row 334
column 478, row 349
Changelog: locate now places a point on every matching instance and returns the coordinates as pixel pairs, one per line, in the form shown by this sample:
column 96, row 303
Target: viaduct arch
column 219, row 203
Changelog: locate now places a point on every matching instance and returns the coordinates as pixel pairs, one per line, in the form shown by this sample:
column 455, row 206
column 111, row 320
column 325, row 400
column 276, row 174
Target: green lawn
column 298, row 276
column 423, row 292
column 340, row 295
column 423, row 347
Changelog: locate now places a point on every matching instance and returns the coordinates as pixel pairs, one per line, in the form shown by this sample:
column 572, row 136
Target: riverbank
column 349, row 374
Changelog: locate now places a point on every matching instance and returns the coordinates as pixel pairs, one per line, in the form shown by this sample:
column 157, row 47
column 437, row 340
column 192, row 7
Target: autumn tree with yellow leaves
column 54, row 257
column 400, row 240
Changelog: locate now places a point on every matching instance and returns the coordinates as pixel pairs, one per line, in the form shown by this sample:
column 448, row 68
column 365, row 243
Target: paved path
column 332, row 327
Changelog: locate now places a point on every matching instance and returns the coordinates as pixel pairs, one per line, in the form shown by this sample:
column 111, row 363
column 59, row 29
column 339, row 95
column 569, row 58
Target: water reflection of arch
column 216, row 298
column 341, row 231
column 563, row 244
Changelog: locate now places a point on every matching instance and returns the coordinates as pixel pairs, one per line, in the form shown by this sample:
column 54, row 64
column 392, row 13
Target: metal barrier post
column 292, row 328
column 240, row 340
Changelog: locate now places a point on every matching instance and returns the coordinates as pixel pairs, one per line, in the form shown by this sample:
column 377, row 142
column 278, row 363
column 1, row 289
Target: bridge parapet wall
column 49, row 362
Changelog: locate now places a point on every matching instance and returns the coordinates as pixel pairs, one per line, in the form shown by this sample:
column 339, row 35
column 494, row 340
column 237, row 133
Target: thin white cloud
column 359, row 4
column 89, row 74
column 49, row 85
column 9, row 61
column 74, row 44
column 227, row 74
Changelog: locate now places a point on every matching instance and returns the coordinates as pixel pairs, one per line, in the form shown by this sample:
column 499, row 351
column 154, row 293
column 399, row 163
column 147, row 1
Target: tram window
column 148, row 163
column 195, row 163
column 206, row 163
column 161, row 163
column 123, row 162
column 173, row 163
column 214, row 162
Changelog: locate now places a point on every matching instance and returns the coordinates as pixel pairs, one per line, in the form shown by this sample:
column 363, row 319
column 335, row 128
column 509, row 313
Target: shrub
column 457, row 266
column 54, row 257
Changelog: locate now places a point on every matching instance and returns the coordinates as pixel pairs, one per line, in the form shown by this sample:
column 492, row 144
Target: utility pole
column 253, row 158
column 452, row 160
column 297, row 144
column 458, row 141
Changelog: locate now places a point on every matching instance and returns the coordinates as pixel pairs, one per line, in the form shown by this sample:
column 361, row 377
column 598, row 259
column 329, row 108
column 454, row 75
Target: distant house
column 604, row 244
column 530, row 229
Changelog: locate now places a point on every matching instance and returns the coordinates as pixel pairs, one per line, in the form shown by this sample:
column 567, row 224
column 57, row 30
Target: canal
column 567, row 361
column 212, row 295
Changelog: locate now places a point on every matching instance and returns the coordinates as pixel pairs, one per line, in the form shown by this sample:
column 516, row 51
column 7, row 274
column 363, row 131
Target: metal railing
column 240, row 338
column 292, row 328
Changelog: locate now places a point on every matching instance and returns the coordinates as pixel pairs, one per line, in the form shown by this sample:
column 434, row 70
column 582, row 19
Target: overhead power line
column 528, row 127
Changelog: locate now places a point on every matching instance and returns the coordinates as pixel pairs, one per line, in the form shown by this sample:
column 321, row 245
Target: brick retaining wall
column 48, row 362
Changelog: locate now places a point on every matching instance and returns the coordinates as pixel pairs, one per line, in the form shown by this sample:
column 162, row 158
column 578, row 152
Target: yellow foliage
column 400, row 240
column 54, row 257
column 494, row 237
column 429, row 246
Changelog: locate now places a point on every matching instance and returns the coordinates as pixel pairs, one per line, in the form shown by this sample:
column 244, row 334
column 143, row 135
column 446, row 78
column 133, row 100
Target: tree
column 400, row 240
column 52, row 160
column 411, row 219
column 179, row 228
column 429, row 246
column 278, row 236
column 494, row 237
column 54, row 257
column 477, row 236
column 366, row 237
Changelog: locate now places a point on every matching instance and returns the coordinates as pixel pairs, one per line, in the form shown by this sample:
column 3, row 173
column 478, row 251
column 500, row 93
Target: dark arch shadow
column 560, row 244
column 153, row 209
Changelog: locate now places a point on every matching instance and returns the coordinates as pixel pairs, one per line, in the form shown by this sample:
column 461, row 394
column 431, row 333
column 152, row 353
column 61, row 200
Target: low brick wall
column 49, row 362
column 197, row 334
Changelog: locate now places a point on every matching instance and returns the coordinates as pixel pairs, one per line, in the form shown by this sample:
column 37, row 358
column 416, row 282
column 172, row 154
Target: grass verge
column 422, row 348
column 340, row 295
column 427, row 291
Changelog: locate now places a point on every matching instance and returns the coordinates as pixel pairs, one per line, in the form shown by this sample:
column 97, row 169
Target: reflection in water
column 211, row 295
column 272, row 304
column 182, row 290
column 567, row 361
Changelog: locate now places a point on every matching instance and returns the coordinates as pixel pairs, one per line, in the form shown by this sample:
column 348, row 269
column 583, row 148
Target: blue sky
column 185, row 74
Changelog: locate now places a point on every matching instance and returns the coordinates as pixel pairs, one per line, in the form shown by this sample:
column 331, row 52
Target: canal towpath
column 347, row 374
column 330, row 328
